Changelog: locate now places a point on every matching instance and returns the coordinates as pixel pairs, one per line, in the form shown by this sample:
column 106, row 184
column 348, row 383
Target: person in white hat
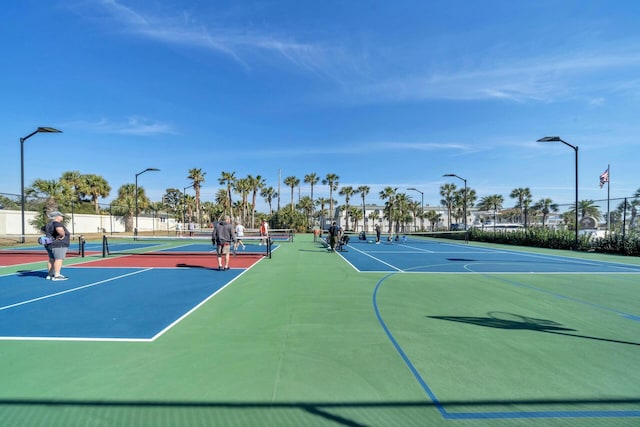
column 57, row 249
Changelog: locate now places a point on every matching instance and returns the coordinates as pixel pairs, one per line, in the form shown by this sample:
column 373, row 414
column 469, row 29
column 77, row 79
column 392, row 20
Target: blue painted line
column 403, row 355
column 488, row 415
column 541, row 414
column 632, row 317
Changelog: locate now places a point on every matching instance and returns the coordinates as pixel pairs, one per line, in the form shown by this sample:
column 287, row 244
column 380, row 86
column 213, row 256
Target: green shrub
column 541, row 237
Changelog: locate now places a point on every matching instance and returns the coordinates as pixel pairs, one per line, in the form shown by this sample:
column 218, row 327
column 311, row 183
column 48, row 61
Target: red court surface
column 8, row 258
column 172, row 261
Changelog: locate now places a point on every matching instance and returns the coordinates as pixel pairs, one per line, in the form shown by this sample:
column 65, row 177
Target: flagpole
column 608, row 198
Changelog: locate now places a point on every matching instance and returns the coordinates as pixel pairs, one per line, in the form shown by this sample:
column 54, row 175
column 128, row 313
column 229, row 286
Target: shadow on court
column 30, row 273
column 502, row 320
column 354, row 413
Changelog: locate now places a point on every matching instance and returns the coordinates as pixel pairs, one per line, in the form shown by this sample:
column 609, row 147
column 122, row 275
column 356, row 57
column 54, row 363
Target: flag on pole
column 604, row 178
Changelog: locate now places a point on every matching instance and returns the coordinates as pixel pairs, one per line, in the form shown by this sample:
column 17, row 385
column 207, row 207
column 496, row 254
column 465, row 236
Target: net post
column 81, row 242
column 105, row 247
column 269, row 247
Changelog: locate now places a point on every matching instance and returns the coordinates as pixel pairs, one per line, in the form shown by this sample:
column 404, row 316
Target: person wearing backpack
column 57, row 249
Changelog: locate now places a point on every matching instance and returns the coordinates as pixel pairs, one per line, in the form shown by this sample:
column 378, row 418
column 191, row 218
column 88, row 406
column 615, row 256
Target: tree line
column 238, row 198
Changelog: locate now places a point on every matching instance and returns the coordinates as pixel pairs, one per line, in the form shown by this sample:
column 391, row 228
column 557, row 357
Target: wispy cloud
column 374, row 78
column 240, row 44
column 340, row 149
column 139, row 126
column 542, row 79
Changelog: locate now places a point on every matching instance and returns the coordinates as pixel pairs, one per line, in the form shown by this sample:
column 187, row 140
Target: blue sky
column 379, row 93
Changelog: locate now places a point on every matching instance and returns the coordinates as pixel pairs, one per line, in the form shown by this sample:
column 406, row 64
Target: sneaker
column 226, row 268
column 60, row 277
column 220, row 268
column 48, row 277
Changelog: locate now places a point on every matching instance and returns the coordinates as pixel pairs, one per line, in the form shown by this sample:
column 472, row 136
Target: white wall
column 10, row 223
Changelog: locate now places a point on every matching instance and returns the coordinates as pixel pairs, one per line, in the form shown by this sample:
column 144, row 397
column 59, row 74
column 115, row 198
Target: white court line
column 178, row 320
column 417, row 249
column 377, row 259
column 6, row 307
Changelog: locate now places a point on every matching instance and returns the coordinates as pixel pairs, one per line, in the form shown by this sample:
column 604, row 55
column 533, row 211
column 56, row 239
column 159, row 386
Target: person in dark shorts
column 334, row 235
column 57, row 249
column 223, row 236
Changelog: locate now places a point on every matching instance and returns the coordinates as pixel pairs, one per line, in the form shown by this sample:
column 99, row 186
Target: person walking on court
column 334, row 235
column 222, row 237
column 57, row 249
column 377, row 233
column 264, row 232
column 239, row 236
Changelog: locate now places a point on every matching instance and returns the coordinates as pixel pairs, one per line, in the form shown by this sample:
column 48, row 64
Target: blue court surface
column 136, row 304
column 452, row 257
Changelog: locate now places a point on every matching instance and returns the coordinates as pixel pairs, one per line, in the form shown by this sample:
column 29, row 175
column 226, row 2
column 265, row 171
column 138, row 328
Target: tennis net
column 414, row 238
column 181, row 245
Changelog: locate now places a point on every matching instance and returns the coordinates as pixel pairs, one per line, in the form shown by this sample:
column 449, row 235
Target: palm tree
column 222, row 199
column 356, row 214
column 228, row 178
column 242, row 187
column 331, row 179
column 125, row 204
column 96, row 187
column 470, row 199
column 256, row 184
column 433, row 217
column 522, row 195
column 401, row 212
column 388, row 194
column 322, row 202
column 459, row 200
column 363, row 190
column 415, row 207
column 189, row 204
column 347, row 192
column 268, row 194
column 493, row 202
column 312, row 179
column 545, row 206
column 55, row 192
column 447, row 191
column 305, row 204
column 291, row 181
column 197, row 178
column 589, row 208
column 76, row 182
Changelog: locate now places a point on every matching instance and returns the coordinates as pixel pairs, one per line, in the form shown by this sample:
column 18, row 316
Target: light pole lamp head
column 42, row 129
column 147, row 170
column 46, row 129
column 557, row 139
column 453, row 175
column 550, row 139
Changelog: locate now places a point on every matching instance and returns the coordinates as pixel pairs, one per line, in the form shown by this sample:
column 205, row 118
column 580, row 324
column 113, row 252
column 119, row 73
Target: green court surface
column 303, row 339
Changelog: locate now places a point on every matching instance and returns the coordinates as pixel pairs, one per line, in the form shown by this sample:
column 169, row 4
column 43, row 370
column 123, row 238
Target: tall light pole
column 135, row 232
column 421, row 206
column 22, row 140
column 575, row 149
column 464, row 197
